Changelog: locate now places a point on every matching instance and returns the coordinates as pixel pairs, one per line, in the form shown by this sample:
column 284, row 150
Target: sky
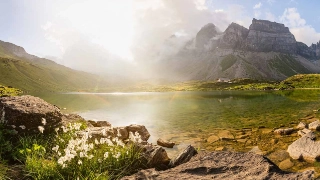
column 103, row 35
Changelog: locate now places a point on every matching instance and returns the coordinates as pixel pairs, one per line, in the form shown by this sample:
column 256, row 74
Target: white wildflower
column 13, row 126
column 96, row 141
column 90, row 156
column 56, row 148
column 41, row 128
column 79, row 162
column 56, row 130
column 43, row 121
column 117, row 155
column 22, row 126
column 106, row 155
column 59, row 153
column 99, row 160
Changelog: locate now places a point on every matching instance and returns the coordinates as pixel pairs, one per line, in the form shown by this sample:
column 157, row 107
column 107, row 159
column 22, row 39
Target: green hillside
column 9, row 91
column 302, row 81
column 28, row 76
column 31, row 73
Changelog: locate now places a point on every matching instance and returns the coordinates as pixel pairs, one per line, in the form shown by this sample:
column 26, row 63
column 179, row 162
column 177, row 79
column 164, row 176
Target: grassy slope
column 302, row 81
column 33, row 77
column 9, row 91
column 287, row 65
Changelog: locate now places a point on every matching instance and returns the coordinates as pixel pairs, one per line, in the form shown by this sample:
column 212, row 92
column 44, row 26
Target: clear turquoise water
column 191, row 113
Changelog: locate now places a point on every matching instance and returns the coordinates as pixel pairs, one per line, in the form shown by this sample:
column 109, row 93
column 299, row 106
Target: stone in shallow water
column 284, row 131
column 303, row 132
column 286, row 164
column 164, row 143
column 212, row 139
column 256, row 150
column 305, row 148
column 301, row 125
column 315, row 125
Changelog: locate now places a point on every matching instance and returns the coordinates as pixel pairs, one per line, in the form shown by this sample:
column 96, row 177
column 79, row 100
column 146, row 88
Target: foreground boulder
column 305, row 148
column 223, row 165
column 29, row 115
column 184, row 156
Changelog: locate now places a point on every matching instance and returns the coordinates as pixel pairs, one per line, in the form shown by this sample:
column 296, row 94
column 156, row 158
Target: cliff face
column 266, row 36
column 205, row 34
column 267, row 50
column 234, row 37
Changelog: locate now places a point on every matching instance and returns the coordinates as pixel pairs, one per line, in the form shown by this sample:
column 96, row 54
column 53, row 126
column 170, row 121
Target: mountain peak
column 268, row 26
column 205, row 34
column 13, row 49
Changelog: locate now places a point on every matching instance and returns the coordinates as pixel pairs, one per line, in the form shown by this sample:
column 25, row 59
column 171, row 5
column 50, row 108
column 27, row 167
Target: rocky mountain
column 266, row 51
column 31, row 73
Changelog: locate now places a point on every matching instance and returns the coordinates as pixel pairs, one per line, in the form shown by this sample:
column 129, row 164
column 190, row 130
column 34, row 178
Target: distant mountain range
column 31, row 73
column 266, row 51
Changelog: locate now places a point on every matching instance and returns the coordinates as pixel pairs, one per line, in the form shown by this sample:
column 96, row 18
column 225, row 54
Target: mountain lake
column 244, row 119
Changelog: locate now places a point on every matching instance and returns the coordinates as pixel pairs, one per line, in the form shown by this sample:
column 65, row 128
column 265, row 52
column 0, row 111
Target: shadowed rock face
column 266, row 36
column 26, row 113
column 205, row 34
column 234, row 37
column 223, row 165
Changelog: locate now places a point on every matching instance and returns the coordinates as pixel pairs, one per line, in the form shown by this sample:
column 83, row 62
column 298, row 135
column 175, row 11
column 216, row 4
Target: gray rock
column 99, row 123
column 205, row 34
column 157, row 157
column 29, row 114
column 266, row 36
column 142, row 130
column 223, row 165
column 315, row 125
column 286, row 164
column 301, row 125
column 305, row 148
column 303, row 132
column 284, row 131
column 183, row 157
column 164, row 143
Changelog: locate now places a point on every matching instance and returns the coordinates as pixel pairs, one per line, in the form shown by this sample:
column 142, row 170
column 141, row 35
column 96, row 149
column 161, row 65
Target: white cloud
column 270, row 1
column 257, row 6
column 269, row 16
column 298, row 26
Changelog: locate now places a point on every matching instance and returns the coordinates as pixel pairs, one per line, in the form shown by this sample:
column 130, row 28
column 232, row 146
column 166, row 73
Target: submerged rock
column 223, row 165
column 287, row 131
column 305, row 148
column 286, row 164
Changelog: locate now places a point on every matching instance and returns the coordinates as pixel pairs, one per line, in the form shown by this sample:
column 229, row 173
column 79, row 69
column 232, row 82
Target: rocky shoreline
column 28, row 115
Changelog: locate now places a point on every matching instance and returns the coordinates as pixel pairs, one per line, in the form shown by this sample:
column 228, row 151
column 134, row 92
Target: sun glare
column 108, row 23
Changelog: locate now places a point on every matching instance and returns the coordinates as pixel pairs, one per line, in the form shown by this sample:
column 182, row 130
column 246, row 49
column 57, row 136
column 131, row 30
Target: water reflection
column 190, row 112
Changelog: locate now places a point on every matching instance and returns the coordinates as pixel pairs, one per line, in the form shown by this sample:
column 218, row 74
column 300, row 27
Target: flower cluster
column 82, row 148
column 136, row 137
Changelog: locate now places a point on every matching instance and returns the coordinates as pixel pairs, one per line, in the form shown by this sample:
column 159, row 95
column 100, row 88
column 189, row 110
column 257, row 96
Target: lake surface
column 184, row 116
